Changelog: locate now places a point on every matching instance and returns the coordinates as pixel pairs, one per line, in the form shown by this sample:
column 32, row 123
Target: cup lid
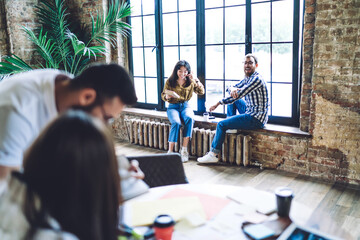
column 284, row 192
column 163, row 221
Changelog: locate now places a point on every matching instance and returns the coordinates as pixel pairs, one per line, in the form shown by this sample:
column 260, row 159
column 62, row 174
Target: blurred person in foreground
column 70, row 185
column 30, row 100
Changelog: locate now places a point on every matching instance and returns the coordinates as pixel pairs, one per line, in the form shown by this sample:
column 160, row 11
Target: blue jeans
column 177, row 112
column 233, row 121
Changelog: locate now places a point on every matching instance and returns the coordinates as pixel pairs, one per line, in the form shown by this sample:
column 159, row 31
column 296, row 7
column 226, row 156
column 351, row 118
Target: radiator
column 235, row 150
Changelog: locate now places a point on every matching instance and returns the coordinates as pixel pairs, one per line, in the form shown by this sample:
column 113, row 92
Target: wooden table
column 225, row 225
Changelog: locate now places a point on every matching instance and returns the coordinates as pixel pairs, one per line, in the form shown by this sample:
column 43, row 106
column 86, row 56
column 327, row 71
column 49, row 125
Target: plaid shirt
column 254, row 90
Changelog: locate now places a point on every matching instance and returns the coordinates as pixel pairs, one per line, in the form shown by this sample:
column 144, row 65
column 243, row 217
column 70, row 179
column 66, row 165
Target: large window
column 214, row 35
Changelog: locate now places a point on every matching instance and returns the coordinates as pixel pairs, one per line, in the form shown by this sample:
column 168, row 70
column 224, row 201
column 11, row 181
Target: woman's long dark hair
column 72, row 167
column 173, row 78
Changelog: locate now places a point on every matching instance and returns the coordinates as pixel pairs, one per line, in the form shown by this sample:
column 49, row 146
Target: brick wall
column 14, row 14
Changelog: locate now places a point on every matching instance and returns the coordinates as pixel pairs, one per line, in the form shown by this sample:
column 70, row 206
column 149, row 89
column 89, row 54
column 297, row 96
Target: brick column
column 19, row 13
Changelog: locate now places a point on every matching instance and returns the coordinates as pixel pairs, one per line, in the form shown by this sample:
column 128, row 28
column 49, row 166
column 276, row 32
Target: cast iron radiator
column 235, row 150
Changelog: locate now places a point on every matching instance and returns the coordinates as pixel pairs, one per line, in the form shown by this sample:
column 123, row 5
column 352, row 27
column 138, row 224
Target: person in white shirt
column 30, row 100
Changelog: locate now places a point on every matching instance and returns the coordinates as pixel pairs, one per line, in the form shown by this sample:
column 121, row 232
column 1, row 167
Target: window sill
column 269, row 128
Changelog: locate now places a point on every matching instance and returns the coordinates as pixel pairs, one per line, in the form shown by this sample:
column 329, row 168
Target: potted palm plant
column 60, row 46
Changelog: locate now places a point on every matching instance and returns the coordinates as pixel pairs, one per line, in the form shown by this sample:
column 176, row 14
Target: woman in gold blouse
column 178, row 90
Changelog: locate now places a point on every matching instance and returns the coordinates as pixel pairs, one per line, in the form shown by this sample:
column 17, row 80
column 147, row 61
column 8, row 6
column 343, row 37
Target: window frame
column 201, row 62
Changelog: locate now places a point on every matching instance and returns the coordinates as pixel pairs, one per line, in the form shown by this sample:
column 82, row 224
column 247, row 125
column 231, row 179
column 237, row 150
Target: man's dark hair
column 253, row 56
column 108, row 80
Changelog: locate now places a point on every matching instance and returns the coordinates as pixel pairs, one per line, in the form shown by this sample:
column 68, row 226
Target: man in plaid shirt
column 253, row 109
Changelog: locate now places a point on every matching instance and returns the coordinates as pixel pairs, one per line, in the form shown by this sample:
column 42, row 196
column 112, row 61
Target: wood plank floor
column 338, row 202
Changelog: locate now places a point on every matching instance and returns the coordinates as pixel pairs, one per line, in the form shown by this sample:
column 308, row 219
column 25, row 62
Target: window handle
column 154, row 48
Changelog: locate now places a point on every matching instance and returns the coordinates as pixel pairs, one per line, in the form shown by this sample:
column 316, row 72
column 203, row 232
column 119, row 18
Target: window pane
column 262, row 52
column 187, row 5
column 234, row 68
column 151, row 90
column 187, row 27
column 136, row 31
column 170, row 30
column 149, row 30
column 139, row 89
column 150, row 63
column 135, row 7
column 189, row 54
column 214, row 26
column 148, row 7
column 234, row 2
column 213, row 3
column 260, row 14
column 214, row 93
column 282, row 25
column 235, row 24
column 171, row 57
column 282, row 63
column 169, row 5
column 254, row 1
column 214, row 62
column 138, row 62
column 281, row 100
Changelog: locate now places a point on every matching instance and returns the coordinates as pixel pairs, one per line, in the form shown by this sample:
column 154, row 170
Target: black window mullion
column 271, row 69
column 143, row 48
column 200, row 50
column 159, row 51
column 178, row 27
column 223, row 46
column 248, row 35
column 296, row 83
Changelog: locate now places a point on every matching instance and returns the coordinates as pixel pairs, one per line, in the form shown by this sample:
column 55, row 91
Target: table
column 227, row 223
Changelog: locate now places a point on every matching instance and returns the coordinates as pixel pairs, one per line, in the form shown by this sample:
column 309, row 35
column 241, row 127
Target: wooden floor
column 338, row 202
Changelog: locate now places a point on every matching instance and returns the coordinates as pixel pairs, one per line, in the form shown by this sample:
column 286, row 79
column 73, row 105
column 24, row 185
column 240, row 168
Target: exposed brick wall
column 308, row 42
column 19, row 13
column 4, row 40
column 14, row 14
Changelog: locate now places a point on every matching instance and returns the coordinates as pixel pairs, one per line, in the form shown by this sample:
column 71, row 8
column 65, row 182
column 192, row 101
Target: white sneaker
column 169, row 152
column 231, row 131
column 184, row 155
column 210, row 157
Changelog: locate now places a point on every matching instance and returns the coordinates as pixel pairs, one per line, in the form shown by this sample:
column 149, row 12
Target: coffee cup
column 284, row 196
column 206, row 116
column 164, row 227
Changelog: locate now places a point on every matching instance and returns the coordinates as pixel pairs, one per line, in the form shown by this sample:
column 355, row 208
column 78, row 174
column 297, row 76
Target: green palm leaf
column 45, row 47
column 106, row 28
column 11, row 65
column 52, row 16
